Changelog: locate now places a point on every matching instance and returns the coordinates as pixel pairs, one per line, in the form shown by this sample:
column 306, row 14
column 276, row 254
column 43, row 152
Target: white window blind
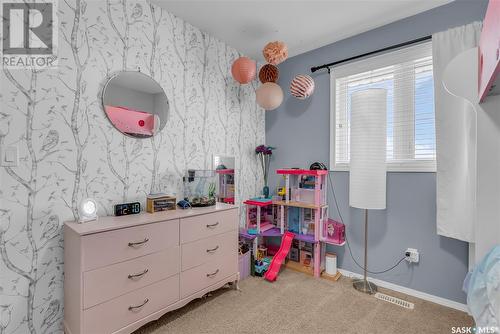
column 407, row 76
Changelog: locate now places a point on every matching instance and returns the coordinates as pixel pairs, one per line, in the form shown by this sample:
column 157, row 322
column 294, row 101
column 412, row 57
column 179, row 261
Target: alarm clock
column 127, row 209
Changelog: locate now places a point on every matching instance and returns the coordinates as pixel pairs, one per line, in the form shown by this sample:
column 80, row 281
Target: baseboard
column 411, row 292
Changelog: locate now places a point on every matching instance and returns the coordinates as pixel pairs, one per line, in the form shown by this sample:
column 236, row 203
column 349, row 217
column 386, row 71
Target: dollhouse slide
column 274, row 268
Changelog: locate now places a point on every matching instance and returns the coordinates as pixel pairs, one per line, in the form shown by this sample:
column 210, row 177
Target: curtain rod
column 397, row 46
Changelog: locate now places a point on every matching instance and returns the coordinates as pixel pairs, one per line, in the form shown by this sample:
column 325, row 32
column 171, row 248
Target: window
column 407, row 76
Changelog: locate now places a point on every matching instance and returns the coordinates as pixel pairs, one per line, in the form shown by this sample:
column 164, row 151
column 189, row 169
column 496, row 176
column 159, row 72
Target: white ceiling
column 302, row 25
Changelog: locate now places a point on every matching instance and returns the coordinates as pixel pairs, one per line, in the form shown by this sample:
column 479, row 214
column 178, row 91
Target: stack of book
column 160, row 202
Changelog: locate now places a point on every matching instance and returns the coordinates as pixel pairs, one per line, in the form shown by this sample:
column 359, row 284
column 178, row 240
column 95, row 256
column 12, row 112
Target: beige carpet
column 298, row 303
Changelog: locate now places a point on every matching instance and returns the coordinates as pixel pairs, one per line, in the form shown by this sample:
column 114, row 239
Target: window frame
column 417, row 51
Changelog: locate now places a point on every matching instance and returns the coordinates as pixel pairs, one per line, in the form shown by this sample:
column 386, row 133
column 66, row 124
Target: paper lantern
column 302, row 86
column 269, row 96
column 269, row 73
column 275, row 52
column 244, row 70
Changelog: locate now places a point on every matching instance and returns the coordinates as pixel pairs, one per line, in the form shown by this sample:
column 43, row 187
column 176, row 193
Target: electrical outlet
column 412, row 255
column 9, row 156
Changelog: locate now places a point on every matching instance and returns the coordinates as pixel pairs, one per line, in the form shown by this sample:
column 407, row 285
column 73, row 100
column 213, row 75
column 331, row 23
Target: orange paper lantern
column 268, row 73
column 244, row 70
column 275, row 52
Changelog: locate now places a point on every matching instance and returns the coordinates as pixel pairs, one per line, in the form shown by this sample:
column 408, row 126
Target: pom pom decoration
column 269, row 96
column 275, row 52
column 269, row 73
column 302, row 86
column 244, row 70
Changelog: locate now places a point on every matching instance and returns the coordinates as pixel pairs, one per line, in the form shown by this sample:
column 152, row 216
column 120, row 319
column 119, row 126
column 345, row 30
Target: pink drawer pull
column 213, row 274
column 138, row 243
column 133, row 308
column 133, row 276
column 212, row 225
column 213, row 249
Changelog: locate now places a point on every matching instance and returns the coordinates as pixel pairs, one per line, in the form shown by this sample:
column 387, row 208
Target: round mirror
column 135, row 103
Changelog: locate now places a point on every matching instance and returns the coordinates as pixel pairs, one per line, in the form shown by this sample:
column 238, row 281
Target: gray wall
column 300, row 131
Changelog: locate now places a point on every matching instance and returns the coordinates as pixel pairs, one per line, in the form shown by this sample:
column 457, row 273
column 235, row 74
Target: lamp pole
column 364, row 285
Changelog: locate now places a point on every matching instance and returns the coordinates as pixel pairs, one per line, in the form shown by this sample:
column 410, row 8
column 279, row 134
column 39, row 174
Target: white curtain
column 455, row 140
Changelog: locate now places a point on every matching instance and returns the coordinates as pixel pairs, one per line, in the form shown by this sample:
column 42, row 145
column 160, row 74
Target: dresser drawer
column 203, row 226
column 107, row 248
column 209, row 249
column 207, row 274
column 122, row 311
column 106, row 283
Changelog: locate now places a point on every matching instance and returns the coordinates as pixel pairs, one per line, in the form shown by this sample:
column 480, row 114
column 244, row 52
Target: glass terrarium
column 199, row 187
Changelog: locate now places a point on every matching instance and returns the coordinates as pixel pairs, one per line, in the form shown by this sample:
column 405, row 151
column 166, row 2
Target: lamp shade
column 269, row 96
column 367, row 173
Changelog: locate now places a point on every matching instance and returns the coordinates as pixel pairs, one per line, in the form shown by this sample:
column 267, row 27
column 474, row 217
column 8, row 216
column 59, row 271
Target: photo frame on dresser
column 225, row 170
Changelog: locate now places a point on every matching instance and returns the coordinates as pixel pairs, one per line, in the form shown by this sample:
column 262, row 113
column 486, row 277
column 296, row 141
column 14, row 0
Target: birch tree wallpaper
column 69, row 151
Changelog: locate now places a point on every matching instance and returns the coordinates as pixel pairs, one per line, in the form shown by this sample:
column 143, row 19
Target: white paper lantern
column 269, row 96
column 367, row 175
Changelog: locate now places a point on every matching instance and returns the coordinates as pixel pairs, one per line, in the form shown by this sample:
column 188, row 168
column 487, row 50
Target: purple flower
column 265, row 150
column 260, row 149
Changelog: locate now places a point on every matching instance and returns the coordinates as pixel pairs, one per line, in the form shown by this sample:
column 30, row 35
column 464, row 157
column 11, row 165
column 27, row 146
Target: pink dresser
column 122, row 272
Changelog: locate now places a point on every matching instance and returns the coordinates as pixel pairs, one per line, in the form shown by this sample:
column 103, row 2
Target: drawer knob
column 133, row 308
column 138, row 243
column 213, row 249
column 213, row 274
column 132, row 276
column 212, row 225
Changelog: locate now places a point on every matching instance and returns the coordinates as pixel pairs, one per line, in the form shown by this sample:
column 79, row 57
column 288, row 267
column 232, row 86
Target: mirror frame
column 103, row 91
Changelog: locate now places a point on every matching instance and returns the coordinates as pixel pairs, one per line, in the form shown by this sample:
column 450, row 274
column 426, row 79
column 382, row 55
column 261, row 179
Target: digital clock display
column 127, row 209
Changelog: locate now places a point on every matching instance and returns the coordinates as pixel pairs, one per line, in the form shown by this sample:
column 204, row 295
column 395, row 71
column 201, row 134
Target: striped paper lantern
column 302, row 86
column 269, row 73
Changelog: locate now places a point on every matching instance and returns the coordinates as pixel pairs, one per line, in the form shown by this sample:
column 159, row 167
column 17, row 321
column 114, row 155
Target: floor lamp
column 367, row 176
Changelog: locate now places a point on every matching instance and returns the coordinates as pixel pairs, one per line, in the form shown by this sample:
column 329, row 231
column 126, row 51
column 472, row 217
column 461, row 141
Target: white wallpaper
column 69, row 151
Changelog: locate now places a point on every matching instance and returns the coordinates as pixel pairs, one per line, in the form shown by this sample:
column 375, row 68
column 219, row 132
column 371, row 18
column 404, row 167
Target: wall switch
column 9, row 156
column 412, row 255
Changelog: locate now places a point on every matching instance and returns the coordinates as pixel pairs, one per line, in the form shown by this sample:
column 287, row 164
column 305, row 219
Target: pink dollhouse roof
column 258, row 202
column 302, row 172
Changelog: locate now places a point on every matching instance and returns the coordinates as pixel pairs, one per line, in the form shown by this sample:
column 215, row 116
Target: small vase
column 265, row 191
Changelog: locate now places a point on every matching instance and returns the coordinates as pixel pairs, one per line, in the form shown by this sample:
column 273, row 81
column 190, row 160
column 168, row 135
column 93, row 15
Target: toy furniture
column 303, row 212
column 278, row 259
column 122, row 272
column 225, row 191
